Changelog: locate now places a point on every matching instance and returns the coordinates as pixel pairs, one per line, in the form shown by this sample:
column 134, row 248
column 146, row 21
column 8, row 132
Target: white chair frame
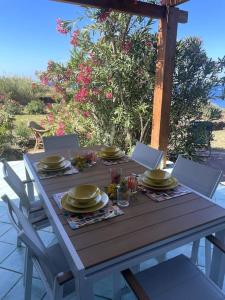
column 54, row 143
column 36, row 254
column 204, row 180
column 147, row 156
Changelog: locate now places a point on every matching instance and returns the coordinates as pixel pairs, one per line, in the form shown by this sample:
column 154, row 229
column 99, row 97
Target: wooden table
column 147, row 229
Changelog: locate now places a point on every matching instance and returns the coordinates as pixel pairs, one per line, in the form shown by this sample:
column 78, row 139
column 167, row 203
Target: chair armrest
column 135, row 285
column 64, row 277
column 216, row 242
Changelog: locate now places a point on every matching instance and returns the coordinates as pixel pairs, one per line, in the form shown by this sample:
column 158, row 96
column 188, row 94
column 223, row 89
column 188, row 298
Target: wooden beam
column 164, row 78
column 173, row 2
column 140, row 8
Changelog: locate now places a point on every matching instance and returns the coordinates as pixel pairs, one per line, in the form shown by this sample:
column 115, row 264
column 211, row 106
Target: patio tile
column 47, row 237
column 9, row 237
column 5, row 251
column 17, row 292
column 8, row 280
column 15, row 261
column 4, row 227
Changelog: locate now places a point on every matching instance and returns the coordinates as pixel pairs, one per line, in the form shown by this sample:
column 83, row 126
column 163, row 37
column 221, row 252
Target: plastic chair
column 200, row 178
column 50, row 262
column 147, row 156
column 204, row 180
column 175, row 279
column 54, row 143
column 32, row 209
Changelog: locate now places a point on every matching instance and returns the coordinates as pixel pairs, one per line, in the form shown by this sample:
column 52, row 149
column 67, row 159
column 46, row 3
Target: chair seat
column 176, row 279
column 36, row 205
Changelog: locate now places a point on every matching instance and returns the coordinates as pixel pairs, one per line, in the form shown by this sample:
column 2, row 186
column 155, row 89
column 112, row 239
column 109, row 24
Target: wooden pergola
column 169, row 16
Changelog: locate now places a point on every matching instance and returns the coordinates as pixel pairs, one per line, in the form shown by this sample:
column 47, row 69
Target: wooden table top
column 144, row 222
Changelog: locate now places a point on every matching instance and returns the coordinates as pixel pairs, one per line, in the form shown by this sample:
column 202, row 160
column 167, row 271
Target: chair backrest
column 147, row 156
column 16, row 184
column 35, row 126
column 201, row 178
column 31, row 239
column 52, row 143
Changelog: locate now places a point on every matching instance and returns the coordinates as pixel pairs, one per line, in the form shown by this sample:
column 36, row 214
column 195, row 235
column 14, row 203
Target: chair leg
column 194, row 251
column 28, row 272
column 57, row 291
column 207, row 257
column 117, row 286
column 18, row 242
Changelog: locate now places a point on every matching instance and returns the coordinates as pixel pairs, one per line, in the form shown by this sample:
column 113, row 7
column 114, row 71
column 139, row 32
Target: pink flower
column 86, row 114
column 61, row 26
column 109, row 95
column 95, row 91
column 60, row 131
column 84, row 76
column 104, row 14
column 44, row 79
column 81, row 95
column 75, row 38
column 148, row 44
column 126, row 46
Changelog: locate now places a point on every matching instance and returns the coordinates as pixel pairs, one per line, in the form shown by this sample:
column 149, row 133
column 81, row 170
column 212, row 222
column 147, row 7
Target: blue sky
column 29, row 38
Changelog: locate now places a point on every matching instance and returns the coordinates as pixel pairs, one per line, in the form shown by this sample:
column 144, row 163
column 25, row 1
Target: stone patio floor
column 12, row 258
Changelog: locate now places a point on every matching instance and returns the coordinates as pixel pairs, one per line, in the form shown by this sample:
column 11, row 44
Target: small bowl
column 110, row 150
column 84, row 192
column 52, row 160
column 157, row 175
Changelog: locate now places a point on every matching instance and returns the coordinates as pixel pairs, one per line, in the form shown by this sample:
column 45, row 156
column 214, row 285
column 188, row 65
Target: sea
column 217, row 93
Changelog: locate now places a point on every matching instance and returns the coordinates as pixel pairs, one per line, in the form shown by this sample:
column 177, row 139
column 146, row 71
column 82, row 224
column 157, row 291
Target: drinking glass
column 123, row 197
column 115, row 175
column 132, row 184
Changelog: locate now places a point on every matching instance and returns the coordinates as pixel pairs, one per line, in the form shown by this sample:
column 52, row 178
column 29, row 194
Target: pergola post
column 167, row 35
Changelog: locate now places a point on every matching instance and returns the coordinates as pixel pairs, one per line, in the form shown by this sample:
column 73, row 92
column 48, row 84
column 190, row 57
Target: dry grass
column 219, row 140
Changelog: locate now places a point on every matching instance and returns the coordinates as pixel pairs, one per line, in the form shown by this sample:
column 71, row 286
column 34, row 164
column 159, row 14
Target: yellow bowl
column 157, row 175
column 110, row 150
column 52, row 160
column 84, row 192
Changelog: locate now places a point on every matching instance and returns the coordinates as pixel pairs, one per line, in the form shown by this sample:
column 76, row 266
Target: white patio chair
column 50, row 261
column 52, row 143
column 175, row 279
column 32, row 209
column 147, row 156
column 203, row 180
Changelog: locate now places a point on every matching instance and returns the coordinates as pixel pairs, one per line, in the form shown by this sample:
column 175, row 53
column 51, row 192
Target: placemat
column 44, row 175
column 122, row 160
column 159, row 196
column 76, row 221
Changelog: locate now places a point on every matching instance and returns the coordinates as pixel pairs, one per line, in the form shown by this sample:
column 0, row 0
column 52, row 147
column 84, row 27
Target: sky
column 28, row 36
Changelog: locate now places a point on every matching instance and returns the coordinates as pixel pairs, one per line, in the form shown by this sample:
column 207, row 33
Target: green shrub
column 21, row 89
column 12, row 107
column 5, row 129
column 23, row 135
column 35, row 107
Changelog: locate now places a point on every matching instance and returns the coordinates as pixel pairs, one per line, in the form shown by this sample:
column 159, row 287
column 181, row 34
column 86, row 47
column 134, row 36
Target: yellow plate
column 114, row 157
column 102, row 203
column 84, row 192
column 66, row 164
column 159, row 184
column 77, row 204
column 160, row 188
column 157, row 175
column 52, row 160
column 110, row 149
